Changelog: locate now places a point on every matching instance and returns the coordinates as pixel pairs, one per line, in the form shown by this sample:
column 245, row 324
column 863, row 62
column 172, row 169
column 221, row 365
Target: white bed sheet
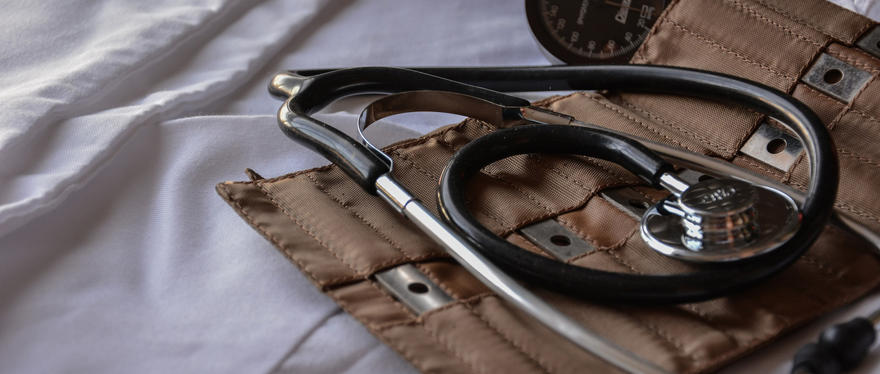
column 116, row 120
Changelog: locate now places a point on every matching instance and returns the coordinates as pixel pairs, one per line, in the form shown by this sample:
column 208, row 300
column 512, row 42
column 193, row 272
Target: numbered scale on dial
column 592, row 31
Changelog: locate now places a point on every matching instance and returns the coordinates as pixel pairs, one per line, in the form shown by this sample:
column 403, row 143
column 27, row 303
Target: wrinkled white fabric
column 870, row 8
column 116, row 120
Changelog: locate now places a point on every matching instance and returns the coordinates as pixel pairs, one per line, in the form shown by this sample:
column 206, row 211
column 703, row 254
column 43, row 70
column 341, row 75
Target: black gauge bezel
column 557, row 51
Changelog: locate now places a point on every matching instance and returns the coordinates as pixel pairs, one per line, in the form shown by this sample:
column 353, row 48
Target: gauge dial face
column 592, row 31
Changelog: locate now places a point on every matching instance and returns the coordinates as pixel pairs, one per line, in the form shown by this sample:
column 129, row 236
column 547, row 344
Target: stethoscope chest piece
column 720, row 220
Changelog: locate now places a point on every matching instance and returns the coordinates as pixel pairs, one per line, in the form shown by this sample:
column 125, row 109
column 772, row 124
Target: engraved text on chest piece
column 718, row 212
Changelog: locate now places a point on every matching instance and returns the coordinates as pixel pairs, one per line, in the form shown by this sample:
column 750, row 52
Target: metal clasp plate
column 836, row 78
column 773, row 147
column 555, row 239
column 413, row 288
column 871, row 42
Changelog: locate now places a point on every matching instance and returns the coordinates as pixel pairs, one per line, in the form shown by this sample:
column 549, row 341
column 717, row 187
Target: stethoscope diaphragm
column 720, row 220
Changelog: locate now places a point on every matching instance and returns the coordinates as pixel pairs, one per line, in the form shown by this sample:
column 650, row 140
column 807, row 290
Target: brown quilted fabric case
column 340, row 236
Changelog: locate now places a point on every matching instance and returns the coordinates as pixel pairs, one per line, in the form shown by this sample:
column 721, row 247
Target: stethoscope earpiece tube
column 361, row 165
column 306, row 94
column 314, row 92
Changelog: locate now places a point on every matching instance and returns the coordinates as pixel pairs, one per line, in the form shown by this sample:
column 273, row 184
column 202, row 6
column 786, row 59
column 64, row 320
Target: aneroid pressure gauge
column 582, row 32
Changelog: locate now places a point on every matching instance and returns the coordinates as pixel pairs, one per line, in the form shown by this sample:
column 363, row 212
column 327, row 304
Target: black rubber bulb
column 840, row 348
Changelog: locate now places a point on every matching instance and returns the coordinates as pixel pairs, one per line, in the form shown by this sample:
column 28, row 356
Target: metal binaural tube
column 505, row 286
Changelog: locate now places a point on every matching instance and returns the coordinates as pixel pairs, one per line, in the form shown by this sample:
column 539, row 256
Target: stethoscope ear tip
column 286, row 84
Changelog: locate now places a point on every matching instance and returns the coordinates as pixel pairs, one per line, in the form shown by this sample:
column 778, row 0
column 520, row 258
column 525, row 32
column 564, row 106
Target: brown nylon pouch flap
column 340, row 236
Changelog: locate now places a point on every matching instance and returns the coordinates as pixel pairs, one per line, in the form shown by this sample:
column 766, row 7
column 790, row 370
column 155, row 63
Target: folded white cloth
column 116, row 120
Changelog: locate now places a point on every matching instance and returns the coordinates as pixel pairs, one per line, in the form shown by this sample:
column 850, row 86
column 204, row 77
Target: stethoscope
column 741, row 227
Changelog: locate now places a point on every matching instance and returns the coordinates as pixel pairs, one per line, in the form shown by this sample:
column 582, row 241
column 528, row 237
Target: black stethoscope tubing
column 312, row 93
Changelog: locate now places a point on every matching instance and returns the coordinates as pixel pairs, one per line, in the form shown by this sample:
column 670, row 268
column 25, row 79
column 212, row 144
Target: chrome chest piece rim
column 721, row 220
